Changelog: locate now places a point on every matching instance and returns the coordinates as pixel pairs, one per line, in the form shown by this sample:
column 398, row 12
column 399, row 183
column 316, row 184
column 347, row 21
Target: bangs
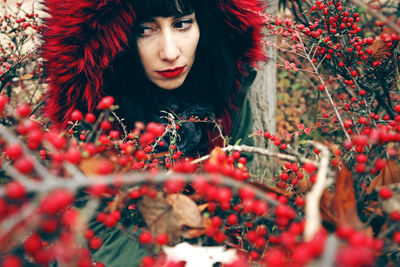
column 147, row 9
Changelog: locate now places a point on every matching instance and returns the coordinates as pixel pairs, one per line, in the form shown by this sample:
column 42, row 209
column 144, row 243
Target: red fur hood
column 81, row 38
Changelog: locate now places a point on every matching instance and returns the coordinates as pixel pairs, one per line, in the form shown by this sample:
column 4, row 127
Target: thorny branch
column 332, row 103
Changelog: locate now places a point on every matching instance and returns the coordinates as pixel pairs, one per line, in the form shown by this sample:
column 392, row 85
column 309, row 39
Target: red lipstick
column 171, row 73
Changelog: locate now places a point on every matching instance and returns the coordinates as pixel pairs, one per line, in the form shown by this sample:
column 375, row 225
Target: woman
column 188, row 57
column 96, row 48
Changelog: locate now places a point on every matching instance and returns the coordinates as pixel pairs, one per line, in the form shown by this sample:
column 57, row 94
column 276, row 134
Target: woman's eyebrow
column 152, row 19
column 183, row 14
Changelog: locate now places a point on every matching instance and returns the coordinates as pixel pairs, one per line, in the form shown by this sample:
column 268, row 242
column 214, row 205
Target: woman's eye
column 145, row 31
column 183, row 24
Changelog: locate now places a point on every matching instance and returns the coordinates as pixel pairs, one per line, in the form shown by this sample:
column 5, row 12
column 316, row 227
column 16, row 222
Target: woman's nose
column 169, row 50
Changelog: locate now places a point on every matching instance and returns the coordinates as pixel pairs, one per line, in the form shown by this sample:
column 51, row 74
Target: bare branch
column 312, row 213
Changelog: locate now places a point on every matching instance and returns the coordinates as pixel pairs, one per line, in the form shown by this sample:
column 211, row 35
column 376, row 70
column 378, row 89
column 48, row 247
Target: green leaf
column 238, row 142
column 283, row 75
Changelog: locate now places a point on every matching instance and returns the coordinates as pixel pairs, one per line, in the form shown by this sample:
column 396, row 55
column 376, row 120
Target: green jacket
column 121, row 247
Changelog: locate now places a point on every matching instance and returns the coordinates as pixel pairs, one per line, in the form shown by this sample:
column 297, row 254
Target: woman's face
column 167, row 48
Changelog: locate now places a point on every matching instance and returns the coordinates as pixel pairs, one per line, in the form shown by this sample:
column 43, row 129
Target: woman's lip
column 171, row 73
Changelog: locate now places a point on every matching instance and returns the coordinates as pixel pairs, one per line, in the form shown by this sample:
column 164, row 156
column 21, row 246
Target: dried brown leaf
column 214, row 155
column 90, row 165
column 271, row 189
column 344, row 203
column 389, row 175
column 378, row 47
column 27, row 76
column 176, row 215
column 340, row 207
column 303, row 185
column 326, row 207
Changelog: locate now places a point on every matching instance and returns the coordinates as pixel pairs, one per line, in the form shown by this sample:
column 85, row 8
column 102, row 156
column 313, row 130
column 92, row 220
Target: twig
column 257, row 150
column 124, row 128
column 95, row 126
column 312, row 213
column 11, row 138
column 328, row 258
column 377, row 14
column 333, row 105
column 9, row 223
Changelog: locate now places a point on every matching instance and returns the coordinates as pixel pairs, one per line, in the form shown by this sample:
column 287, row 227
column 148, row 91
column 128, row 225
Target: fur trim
column 81, row 38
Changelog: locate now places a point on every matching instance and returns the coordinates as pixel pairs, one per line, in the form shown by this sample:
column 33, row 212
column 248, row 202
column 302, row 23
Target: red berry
column 148, row 261
column 24, row 165
column 385, row 193
column 260, row 207
column 360, row 167
column 140, row 155
column 236, row 154
column 145, row 238
column 348, row 124
column 216, row 221
column 242, row 160
column 135, row 194
column 284, row 176
column 380, row 164
column 362, row 120
column 245, row 193
column 395, row 215
column 3, row 102
column 156, row 129
column 114, row 134
column 15, row 190
column 232, row 219
column 300, row 201
column 56, row 140
column 23, row 110
column 105, row 103
column 162, row 239
column 76, row 115
column 49, row 226
column 89, row 233
column 396, row 237
column 14, row 151
column 254, row 255
column 173, row 186
column 110, row 221
column 224, row 194
column 95, row 243
column 32, row 244
column 90, row 118
column 73, row 156
column 344, row 232
column 105, row 168
column 219, row 237
column 275, row 258
column 309, row 167
column 105, row 125
column 57, row 201
column 11, row 261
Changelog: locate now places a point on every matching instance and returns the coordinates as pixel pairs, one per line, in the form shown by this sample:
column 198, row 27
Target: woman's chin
column 171, row 84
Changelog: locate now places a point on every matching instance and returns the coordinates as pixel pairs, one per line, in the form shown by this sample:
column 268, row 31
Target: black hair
column 210, row 81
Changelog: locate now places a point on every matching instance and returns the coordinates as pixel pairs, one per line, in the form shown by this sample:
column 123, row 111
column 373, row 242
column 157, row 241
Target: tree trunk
column 262, row 97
